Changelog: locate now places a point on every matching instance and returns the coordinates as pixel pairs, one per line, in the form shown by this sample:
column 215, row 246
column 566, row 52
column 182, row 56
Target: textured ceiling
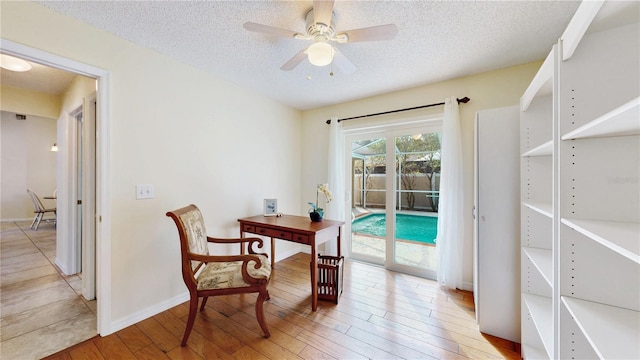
column 437, row 40
column 40, row 78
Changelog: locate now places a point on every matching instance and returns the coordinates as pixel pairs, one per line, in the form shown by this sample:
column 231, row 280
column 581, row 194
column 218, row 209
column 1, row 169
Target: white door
column 497, row 222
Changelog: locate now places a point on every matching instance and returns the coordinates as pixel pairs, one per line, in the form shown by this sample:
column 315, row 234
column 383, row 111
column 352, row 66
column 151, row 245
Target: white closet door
column 497, row 222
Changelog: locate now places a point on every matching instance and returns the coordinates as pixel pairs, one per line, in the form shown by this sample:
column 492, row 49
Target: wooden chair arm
column 232, row 240
column 251, row 240
column 230, row 258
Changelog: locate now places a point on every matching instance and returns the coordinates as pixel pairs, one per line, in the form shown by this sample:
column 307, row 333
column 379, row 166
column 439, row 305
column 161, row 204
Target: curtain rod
column 463, row 100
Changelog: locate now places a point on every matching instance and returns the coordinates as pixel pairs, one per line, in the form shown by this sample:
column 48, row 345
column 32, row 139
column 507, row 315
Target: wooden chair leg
column 193, row 308
column 204, row 302
column 262, row 296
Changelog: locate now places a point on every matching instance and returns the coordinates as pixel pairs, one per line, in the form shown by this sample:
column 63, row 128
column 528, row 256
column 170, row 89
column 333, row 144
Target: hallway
column 42, row 311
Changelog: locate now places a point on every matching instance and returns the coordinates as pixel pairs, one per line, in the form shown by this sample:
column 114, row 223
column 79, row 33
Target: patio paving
column 407, row 252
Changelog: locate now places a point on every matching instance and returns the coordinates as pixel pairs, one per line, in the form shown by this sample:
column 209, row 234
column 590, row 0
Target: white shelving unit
column 538, row 308
column 581, row 227
column 610, row 339
column 537, row 118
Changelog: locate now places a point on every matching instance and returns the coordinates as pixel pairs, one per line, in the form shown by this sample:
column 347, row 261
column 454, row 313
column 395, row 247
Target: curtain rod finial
column 463, row 100
column 329, row 121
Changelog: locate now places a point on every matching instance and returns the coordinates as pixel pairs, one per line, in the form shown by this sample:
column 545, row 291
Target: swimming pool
column 408, row 227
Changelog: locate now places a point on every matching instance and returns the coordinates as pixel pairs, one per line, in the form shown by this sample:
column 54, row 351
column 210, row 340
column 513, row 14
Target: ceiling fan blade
column 374, row 33
column 342, row 63
column 294, row 61
column 322, row 11
column 266, row 29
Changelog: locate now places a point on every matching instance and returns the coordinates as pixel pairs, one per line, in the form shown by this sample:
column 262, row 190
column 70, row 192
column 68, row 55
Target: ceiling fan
column 321, row 30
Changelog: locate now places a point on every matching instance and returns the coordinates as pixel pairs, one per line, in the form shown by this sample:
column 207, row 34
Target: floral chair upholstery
column 211, row 275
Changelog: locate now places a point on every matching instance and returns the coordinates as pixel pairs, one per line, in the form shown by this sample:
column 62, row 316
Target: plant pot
column 316, row 216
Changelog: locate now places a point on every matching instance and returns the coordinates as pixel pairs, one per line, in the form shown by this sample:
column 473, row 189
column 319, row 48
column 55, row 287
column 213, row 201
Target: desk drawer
column 273, row 233
column 302, row 239
column 249, row 228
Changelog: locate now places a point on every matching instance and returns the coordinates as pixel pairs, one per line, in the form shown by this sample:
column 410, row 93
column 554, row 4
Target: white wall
column 487, row 90
column 27, row 162
column 196, row 138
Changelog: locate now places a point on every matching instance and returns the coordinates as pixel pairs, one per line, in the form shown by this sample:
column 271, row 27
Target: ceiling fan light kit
column 321, row 30
column 320, row 53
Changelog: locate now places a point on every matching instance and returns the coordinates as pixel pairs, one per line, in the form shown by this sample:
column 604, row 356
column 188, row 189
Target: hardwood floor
column 381, row 314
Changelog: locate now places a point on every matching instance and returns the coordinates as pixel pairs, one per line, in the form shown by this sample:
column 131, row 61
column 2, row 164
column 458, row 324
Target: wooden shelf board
column 542, row 208
column 540, row 308
column 541, row 84
column 542, row 260
column 613, row 332
column 621, row 237
column 545, row 149
column 622, row 121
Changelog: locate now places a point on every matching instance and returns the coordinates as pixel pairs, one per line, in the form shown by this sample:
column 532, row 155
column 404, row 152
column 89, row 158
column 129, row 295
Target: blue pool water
column 408, row 227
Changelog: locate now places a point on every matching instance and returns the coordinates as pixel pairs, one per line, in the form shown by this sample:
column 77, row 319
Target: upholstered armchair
column 212, row 275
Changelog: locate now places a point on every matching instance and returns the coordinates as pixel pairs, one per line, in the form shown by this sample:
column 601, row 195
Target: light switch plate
column 144, row 191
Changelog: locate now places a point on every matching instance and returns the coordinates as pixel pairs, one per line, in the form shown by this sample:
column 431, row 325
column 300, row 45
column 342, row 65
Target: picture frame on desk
column 270, row 207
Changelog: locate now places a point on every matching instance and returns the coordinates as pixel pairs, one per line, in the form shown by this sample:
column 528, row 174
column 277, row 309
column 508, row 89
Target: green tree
column 373, row 152
column 418, row 154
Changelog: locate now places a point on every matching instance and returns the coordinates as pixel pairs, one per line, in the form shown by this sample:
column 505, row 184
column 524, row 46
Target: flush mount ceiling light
column 13, row 64
column 320, row 53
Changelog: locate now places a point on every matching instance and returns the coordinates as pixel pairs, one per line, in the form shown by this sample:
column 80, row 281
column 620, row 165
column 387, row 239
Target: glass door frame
column 389, row 131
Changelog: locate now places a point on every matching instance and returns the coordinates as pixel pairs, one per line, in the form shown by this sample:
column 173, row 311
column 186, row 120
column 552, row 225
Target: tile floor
column 41, row 310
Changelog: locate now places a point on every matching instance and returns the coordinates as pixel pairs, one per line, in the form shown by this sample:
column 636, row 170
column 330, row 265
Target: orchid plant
column 324, row 189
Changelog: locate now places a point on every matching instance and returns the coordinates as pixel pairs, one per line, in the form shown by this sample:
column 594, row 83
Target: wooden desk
column 298, row 229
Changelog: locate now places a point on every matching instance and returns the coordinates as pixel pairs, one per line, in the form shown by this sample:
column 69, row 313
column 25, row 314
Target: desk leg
column 242, row 244
column 314, row 277
column 273, row 253
column 339, row 237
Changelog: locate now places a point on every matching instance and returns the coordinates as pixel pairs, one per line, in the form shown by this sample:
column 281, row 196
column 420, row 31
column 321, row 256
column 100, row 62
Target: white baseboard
column 179, row 299
column 286, row 254
column 148, row 312
column 467, row 286
column 12, row 220
column 145, row 314
column 62, row 268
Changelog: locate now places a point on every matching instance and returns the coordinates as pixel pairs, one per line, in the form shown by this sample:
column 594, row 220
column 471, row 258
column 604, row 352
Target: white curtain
column 449, row 241
column 335, row 210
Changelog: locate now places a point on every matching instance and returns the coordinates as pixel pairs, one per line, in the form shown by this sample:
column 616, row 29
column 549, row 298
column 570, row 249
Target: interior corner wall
column 23, row 101
column 195, row 137
column 73, row 97
column 27, row 162
column 488, row 90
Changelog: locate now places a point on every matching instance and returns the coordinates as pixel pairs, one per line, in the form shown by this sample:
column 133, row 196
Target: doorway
column 101, row 217
column 394, row 177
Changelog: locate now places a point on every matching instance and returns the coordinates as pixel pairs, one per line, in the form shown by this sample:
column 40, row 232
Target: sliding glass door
column 395, row 177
